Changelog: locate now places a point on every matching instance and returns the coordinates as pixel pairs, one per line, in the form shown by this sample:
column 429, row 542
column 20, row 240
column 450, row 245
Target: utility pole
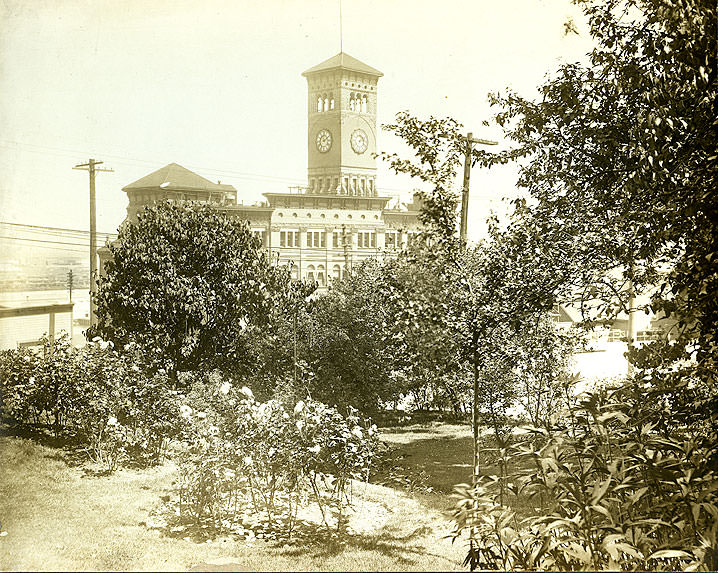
column 470, row 141
column 91, row 168
column 70, row 282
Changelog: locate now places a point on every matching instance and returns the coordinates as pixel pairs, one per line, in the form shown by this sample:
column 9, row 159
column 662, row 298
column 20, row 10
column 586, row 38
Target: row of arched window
column 325, row 102
column 317, row 274
column 357, row 102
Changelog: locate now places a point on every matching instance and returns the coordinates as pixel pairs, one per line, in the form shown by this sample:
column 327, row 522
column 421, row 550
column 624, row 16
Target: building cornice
column 311, row 200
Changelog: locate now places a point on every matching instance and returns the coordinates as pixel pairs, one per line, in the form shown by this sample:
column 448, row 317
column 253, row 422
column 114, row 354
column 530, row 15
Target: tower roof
column 345, row 62
column 175, row 177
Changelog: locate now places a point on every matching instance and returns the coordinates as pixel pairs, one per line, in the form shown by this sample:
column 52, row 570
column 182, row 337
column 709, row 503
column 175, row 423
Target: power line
column 83, row 232
column 238, row 174
column 37, row 233
column 42, row 241
column 50, row 247
column 121, row 159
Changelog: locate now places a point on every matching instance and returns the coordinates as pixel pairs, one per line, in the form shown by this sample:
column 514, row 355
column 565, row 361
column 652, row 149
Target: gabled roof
column 345, row 62
column 176, row 177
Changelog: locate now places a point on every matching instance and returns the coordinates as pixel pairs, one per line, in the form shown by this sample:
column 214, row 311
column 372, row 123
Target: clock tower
column 342, row 127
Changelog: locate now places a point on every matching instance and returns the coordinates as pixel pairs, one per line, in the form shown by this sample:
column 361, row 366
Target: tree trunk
column 475, row 410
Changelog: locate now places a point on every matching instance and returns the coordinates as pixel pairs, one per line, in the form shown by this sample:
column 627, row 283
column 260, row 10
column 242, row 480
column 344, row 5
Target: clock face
column 324, row 141
column 359, row 141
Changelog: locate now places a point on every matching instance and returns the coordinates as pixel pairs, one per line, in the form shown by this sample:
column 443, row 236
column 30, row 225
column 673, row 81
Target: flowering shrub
column 19, row 389
column 624, row 485
column 271, row 456
column 102, row 399
column 33, row 384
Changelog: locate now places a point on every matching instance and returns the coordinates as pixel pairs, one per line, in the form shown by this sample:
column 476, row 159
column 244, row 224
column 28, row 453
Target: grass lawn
column 61, row 516
column 434, row 455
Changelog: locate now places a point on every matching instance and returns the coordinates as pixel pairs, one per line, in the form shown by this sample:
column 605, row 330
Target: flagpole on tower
column 341, row 45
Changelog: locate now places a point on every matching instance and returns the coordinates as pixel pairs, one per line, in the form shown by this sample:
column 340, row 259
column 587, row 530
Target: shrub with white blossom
column 109, row 403
column 270, row 456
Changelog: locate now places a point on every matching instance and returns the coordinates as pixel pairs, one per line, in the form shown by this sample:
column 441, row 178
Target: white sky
column 216, row 86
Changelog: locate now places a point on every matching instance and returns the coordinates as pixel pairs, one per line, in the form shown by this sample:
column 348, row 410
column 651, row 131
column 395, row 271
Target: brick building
column 338, row 218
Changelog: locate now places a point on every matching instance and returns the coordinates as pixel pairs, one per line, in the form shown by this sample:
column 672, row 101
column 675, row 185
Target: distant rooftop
column 174, row 177
column 345, row 62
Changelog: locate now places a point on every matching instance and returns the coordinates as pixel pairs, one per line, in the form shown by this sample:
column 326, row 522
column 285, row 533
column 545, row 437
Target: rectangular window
column 337, row 239
column 288, row 238
column 366, row 239
column 261, row 235
column 316, row 239
column 391, row 240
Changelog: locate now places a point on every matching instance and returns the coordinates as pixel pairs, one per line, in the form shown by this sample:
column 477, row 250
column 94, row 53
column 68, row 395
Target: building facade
column 339, row 218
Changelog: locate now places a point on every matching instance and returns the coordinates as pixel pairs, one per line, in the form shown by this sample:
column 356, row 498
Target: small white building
column 24, row 326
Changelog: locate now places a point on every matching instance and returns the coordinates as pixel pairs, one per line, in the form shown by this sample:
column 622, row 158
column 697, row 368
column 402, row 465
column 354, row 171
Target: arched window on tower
column 331, row 103
column 363, row 104
column 326, row 104
column 319, row 103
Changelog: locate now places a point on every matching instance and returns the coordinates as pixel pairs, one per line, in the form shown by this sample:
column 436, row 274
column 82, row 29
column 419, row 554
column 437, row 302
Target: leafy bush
column 107, row 402
column 622, row 486
column 271, row 456
column 191, row 285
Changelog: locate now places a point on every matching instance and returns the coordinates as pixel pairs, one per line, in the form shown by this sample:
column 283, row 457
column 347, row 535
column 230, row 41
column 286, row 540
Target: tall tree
column 190, row 285
column 476, row 296
column 619, row 155
column 620, row 158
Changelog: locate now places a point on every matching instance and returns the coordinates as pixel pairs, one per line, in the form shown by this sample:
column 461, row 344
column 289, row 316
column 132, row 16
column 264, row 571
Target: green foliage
column 438, row 149
column 620, row 159
column 623, row 485
column 463, row 308
column 270, row 456
column 96, row 398
column 353, row 363
column 279, row 370
column 544, row 378
column 621, row 166
column 191, row 286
